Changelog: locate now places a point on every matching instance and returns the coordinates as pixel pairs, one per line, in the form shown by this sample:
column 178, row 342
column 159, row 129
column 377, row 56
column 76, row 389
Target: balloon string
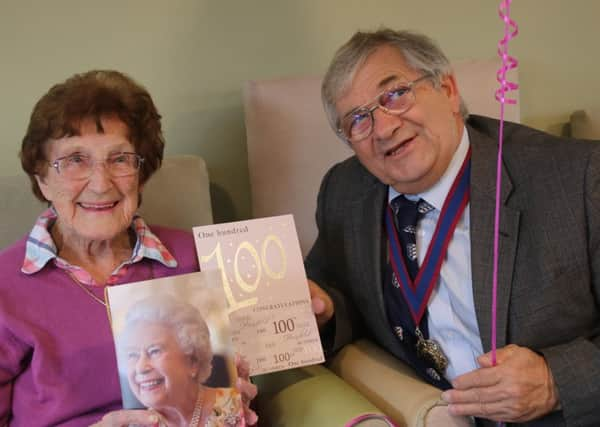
column 508, row 63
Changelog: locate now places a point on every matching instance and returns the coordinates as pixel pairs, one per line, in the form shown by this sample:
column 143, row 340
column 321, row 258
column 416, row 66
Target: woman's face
column 159, row 373
column 100, row 207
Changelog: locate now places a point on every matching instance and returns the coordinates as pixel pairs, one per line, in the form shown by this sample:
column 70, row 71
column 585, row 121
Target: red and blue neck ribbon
column 417, row 292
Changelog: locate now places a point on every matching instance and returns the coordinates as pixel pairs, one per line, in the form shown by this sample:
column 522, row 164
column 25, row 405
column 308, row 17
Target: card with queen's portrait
column 173, row 347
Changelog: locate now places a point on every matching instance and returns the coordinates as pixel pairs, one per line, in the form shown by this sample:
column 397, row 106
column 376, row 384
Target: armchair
column 585, row 124
column 290, row 147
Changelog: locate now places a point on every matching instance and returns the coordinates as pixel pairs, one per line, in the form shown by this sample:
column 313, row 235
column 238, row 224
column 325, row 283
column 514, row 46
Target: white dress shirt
column 452, row 320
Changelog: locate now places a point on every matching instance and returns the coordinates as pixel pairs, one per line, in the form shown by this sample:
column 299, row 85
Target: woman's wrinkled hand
column 246, row 388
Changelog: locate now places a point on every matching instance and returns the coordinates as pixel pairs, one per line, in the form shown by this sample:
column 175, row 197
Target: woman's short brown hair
column 93, row 95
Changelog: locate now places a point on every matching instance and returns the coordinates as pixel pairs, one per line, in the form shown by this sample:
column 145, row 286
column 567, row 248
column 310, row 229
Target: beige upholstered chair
column 18, row 208
column 585, row 124
column 290, row 147
column 177, row 195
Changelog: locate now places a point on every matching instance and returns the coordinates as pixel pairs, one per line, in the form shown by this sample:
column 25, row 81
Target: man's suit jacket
column 549, row 267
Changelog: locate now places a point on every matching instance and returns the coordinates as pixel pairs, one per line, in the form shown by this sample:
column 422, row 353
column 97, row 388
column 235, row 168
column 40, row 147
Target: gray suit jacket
column 549, row 272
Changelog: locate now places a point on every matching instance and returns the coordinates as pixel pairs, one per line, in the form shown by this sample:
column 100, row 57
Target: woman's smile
column 98, row 207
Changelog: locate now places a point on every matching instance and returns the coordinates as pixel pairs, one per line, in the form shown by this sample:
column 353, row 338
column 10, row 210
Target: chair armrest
column 308, row 397
column 392, row 386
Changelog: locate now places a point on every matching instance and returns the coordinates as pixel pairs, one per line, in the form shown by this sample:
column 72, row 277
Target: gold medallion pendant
column 431, row 352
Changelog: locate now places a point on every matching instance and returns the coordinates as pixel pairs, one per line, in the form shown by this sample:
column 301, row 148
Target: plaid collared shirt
column 40, row 249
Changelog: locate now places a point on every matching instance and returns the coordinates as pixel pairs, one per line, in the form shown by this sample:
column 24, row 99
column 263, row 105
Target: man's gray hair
column 182, row 319
column 419, row 51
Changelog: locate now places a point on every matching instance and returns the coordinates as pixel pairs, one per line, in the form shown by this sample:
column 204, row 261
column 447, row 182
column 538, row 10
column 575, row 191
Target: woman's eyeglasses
column 80, row 166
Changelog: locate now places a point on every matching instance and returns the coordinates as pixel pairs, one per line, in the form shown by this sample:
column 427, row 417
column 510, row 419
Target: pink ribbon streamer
column 366, row 417
column 508, row 63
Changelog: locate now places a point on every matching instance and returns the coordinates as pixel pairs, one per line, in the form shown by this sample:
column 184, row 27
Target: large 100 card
column 265, row 284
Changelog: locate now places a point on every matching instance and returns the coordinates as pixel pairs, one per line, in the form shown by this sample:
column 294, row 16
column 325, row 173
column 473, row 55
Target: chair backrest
column 291, row 146
column 177, row 195
column 585, row 124
column 18, row 208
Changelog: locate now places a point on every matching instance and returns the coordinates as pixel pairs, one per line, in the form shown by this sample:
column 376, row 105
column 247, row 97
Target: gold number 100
column 260, row 261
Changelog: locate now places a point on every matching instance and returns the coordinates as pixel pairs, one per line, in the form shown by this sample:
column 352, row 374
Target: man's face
column 410, row 151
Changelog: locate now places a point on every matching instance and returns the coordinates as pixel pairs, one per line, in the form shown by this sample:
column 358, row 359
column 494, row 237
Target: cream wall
column 194, row 55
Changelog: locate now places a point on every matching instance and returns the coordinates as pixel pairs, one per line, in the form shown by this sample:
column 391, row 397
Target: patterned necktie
column 408, row 213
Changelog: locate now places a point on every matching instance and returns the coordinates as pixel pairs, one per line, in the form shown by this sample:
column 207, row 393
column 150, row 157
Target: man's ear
column 450, row 88
column 44, row 187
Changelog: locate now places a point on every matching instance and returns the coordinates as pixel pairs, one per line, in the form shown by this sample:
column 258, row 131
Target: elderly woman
column 92, row 143
column 166, row 354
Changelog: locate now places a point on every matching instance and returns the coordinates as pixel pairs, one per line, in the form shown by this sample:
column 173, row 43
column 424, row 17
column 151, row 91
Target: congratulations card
column 265, row 285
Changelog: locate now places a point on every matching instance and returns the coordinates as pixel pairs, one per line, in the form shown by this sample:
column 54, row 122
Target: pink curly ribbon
column 365, row 417
column 508, row 63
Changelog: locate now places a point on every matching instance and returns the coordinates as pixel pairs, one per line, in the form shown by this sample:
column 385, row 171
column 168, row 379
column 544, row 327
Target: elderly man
column 404, row 251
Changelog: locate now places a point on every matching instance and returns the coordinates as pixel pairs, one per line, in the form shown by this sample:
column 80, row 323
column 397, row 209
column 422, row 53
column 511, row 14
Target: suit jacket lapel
column 482, row 207
column 367, row 230
column 369, row 256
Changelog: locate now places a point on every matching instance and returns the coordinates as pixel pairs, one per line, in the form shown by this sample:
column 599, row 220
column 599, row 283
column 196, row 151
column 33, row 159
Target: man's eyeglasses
column 358, row 124
column 80, row 166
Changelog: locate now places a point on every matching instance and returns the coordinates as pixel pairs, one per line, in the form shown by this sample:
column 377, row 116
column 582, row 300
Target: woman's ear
column 44, row 187
column 194, row 368
column 200, row 369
